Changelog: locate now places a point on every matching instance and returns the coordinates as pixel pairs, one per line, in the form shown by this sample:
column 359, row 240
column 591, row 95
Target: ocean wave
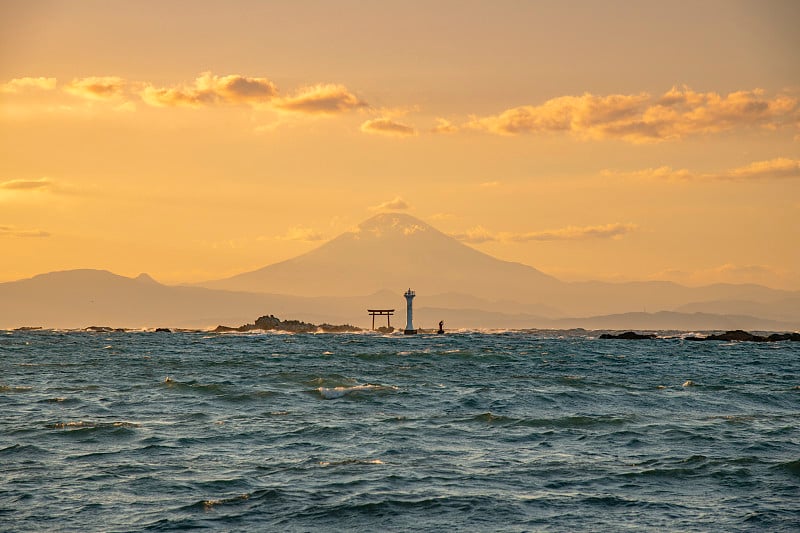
column 87, row 425
column 346, row 462
column 414, row 512
column 331, row 380
column 18, row 389
column 792, row 467
column 214, row 504
column 560, row 422
column 195, row 386
column 253, row 396
column 339, row 392
column 22, row 449
column 61, row 401
column 209, row 505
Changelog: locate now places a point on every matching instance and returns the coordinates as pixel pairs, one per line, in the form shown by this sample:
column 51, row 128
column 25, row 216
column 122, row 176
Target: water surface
column 514, row 431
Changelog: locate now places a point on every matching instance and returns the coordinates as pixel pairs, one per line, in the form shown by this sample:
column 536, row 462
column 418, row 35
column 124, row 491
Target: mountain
column 781, row 309
column 428, row 317
column 599, row 298
column 369, row 268
column 394, row 251
column 81, row 298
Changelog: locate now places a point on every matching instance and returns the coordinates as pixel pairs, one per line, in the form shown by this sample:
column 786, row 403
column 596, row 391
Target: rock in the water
column 341, row 328
column 744, row 336
column 737, row 335
column 105, row 329
column 272, row 323
column 628, row 335
column 267, row 322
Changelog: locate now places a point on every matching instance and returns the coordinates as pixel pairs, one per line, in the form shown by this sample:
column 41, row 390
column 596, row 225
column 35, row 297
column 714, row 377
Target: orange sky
column 195, row 140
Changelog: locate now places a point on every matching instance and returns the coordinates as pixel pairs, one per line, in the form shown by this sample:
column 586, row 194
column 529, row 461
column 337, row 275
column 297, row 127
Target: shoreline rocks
column 273, row 323
column 735, row 335
column 628, row 335
column 744, row 336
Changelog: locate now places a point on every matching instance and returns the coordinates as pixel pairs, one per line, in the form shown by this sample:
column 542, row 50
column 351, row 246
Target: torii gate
column 381, row 312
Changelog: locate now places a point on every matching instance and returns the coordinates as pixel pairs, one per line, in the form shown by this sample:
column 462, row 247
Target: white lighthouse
column 409, row 312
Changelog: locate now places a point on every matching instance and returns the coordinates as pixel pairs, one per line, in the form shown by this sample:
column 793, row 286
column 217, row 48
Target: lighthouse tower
column 409, row 313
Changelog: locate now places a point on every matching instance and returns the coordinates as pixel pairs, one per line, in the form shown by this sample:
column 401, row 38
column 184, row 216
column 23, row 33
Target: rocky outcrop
column 744, row 336
column 628, row 335
column 105, row 329
column 272, row 323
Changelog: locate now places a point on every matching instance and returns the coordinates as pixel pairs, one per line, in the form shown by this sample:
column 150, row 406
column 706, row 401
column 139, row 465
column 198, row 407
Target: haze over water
column 512, row 431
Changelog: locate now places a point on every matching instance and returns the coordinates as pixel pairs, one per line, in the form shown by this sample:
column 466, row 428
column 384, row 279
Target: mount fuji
column 394, row 251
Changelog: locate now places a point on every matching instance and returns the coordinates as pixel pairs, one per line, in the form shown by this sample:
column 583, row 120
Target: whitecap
column 331, row 393
column 92, row 425
column 209, row 505
column 351, row 462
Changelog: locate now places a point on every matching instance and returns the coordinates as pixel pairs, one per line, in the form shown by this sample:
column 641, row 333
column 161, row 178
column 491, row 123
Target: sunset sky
column 593, row 140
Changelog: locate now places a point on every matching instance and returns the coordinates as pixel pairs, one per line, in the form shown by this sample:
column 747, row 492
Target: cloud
column 641, row 118
column 21, row 84
column 321, row 99
column 27, row 185
column 302, row 234
column 772, row 169
column 477, row 235
column 11, row 231
column 442, row 216
column 97, row 87
column 743, row 270
column 395, row 204
column 571, row 233
column 778, row 168
column 480, row 234
column 209, row 89
column 386, row 126
column 731, row 273
column 444, row 126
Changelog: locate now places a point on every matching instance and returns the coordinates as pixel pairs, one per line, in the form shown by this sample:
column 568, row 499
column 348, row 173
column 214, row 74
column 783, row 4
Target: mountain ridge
column 57, row 300
column 370, row 267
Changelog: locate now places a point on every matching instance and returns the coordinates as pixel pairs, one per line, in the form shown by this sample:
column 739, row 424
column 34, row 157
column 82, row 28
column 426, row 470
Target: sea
column 468, row 431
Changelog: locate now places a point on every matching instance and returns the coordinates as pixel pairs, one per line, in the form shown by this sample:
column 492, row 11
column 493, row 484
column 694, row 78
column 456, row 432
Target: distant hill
column 81, row 298
column 428, row 317
column 785, row 309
